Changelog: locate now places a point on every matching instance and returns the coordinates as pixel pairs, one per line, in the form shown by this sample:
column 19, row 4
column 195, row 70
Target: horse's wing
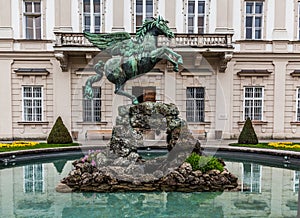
column 107, row 40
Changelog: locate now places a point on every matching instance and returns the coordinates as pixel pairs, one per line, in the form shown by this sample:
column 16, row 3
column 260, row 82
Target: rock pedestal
column 120, row 167
column 134, row 120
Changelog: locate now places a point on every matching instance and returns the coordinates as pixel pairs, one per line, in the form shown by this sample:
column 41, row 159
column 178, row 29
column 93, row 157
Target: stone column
column 62, row 96
column 279, row 31
column 5, row 21
column 170, row 11
column 224, row 93
column 277, row 186
column 279, row 96
column 170, row 87
column 224, row 22
column 118, row 16
column 63, row 15
column 5, row 99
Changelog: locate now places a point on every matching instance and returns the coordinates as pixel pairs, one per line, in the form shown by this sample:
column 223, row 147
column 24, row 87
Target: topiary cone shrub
column 248, row 135
column 59, row 133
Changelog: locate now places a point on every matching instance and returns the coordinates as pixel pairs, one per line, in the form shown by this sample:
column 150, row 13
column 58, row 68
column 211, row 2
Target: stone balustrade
column 180, row 40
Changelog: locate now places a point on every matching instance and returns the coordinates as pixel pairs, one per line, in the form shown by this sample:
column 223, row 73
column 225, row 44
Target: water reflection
column 29, row 191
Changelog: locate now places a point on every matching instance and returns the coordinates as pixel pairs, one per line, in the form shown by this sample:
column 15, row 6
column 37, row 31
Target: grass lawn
column 274, row 145
column 40, row 145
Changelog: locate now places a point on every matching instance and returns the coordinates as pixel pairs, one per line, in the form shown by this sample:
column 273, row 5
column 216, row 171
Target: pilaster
column 170, row 13
column 118, row 16
column 6, row 30
column 5, row 99
column 224, row 22
column 279, row 31
column 63, row 16
column 279, row 96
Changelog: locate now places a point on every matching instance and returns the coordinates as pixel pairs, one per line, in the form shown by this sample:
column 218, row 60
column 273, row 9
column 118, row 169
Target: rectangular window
column 32, row 103
column 253, row 103
column 251, row 178
column 296, row 181
column 92, row 16
column 143, row 10
column 254, row 18
column 196, row 16
column 33, row 178
column 195, row 104
column 144, row 94
column 299, row 20
column 298, row 104
column 32, row 16
column 92, row 107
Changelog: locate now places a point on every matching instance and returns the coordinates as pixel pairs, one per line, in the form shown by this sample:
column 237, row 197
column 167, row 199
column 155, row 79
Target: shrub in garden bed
column 59, row 133
column 248, row 135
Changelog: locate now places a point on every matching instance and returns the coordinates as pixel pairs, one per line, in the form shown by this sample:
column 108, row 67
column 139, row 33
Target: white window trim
column 297, row 104
column 262, row 98
column 92, row 107
column 144, row 12
column 26, row 14
column 43, row 179
column 196, row 16
column 92, row 15
column 42, row 103
column 253, row 24
column 298, row 20
column 251, row 181
column 195, row 99
column 296, row 181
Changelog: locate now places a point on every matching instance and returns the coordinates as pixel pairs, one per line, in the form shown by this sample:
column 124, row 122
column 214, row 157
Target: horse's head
column 155, row 26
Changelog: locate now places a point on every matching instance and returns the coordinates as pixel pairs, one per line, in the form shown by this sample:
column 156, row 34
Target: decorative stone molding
column 32, row 72
column 226, row 57
column 254, row 73
column 63, row 59
column 295, row 73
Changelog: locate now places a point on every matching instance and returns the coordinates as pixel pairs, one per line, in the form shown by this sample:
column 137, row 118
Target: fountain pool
column 27, row 189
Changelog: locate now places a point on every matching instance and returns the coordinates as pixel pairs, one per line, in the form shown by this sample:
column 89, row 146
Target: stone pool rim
column 225, row 148
column 206, row 148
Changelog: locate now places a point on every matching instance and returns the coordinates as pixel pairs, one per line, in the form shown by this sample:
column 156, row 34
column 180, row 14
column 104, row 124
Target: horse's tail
column 88, row 90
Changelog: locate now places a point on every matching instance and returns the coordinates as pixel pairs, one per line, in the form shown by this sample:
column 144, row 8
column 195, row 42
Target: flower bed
column 288, row 145
column 16, row 144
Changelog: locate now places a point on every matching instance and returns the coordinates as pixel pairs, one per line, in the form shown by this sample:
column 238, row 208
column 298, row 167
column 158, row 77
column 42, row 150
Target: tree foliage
column 248, row 135
column 59, row 133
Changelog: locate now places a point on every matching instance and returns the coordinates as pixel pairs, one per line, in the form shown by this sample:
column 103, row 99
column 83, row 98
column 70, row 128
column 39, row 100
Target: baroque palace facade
column 241, row 59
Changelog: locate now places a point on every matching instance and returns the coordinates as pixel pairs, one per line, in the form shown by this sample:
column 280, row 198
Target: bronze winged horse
column 131, row 57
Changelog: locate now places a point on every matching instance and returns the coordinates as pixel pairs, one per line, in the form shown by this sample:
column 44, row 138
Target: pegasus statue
column 131, row 57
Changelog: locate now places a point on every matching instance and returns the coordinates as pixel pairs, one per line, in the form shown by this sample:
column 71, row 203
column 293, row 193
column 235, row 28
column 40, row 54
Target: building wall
column 277, row 52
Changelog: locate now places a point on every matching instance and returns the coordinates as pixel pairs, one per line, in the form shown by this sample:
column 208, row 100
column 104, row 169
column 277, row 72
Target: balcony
column 180, row 40
column 206, row 44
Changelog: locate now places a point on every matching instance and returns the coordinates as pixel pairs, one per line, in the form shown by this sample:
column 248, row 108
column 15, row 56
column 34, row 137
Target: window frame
column 34, row 15
column 298, row 19
column 253, row 180
column 254, row 15
column 253, row 99
column 92, row 110
column 29, row 178
column 32, row 98
column 196, row 16
column 298, row 104
column 195, row 111
column 143, row 13
column 92, row 14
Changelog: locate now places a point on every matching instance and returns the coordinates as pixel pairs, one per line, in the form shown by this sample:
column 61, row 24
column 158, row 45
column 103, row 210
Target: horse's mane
column 148, row 24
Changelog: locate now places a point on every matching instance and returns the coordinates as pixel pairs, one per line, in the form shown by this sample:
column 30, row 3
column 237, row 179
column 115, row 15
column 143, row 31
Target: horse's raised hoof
column 176, row 69
column 135, row 101
column 180, row 61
